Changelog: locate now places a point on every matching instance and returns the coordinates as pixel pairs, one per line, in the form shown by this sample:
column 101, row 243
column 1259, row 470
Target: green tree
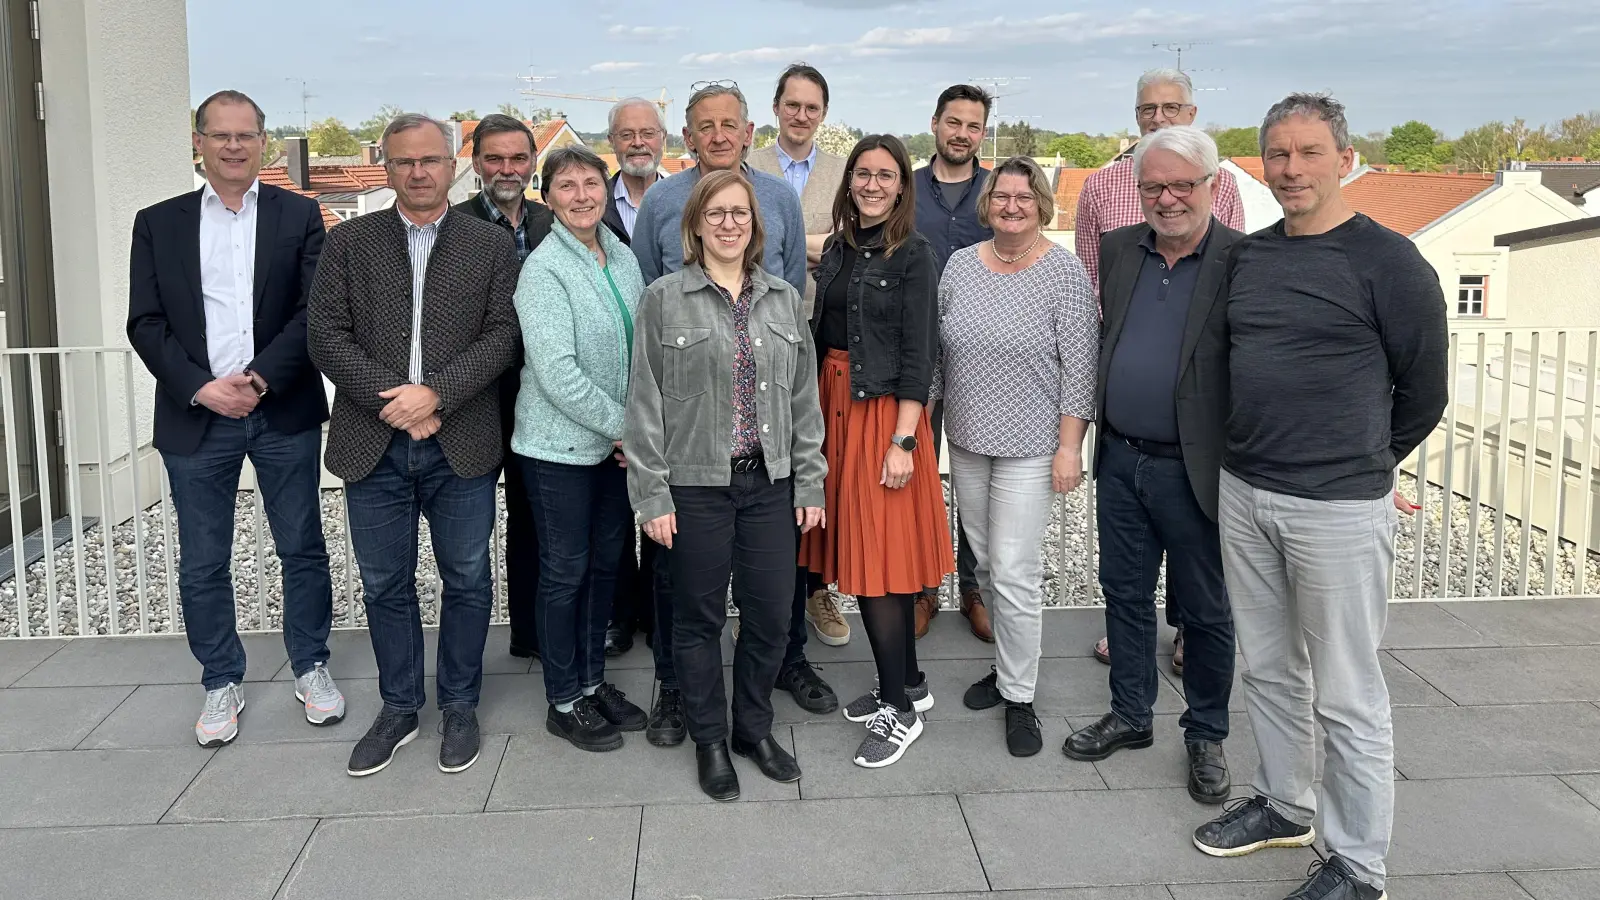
column 920, row 146
column 371, row 129
column 465, row 115
column 1370, row 146
column 1593, row 150
column 766, row 136
column 1078, row 149
column 1577, row 133
column 1483, row 148
column 1444, row 153
column 1411, row 145
column 1529, row 143
column 509, row 109
column 1019, row 139
column 1237, row 142
column 330, row 137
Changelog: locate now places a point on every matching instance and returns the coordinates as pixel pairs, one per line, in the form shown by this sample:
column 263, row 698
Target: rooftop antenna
column 305, row 104
column 996, row 83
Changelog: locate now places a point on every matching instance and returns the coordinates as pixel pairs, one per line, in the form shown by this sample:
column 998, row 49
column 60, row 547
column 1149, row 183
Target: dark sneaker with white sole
column 1247, row 825
column 1335, row 880
column 864, row 707
column 458, row 748
column 376, row 749
column 888, row 735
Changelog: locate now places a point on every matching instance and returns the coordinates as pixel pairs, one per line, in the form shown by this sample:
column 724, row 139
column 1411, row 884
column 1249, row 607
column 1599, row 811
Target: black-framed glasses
column 231, row 137
column 1152, row 190
column 1170, row 110
column 699, row 86
column 717, row 215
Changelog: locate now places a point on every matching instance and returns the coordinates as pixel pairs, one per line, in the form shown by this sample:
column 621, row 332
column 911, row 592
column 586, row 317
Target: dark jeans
column 583, row 519
column 966, row 563
column 1146, row 508
column 414, row 479
column 204, row 485
column 745, row 530
column 633, row 605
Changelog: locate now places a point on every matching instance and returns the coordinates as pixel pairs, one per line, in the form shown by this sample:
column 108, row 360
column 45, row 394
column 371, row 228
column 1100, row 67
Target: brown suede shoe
column 977, row 615
column 927, row 607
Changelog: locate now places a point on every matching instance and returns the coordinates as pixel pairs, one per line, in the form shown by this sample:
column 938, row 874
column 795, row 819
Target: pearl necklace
column 995, row 248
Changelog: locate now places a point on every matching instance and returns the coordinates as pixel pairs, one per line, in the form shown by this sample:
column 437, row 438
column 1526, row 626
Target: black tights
column 891, row 629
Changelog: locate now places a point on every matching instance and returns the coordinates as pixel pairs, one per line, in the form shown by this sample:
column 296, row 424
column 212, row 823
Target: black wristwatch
column 906, row 442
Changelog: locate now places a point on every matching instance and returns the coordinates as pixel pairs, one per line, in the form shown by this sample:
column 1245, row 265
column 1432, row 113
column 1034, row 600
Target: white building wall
column 1553, row 283
column 1261, row 209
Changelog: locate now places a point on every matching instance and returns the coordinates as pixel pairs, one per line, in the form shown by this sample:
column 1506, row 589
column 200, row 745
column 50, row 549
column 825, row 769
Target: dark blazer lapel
column 1213, row 268
column 268, row 212
column 189, row 220
column 1119, row 289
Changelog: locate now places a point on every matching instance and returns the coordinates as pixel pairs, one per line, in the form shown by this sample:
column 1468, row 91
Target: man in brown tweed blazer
column 411, row 319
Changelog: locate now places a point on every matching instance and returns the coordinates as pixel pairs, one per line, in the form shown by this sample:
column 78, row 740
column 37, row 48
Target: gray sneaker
column 888, row 735
column 219, row 721
column 864, row 707
column 324, row 703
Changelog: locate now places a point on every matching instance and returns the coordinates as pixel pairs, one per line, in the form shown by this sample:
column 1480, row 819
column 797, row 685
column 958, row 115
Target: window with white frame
column 1470, row 291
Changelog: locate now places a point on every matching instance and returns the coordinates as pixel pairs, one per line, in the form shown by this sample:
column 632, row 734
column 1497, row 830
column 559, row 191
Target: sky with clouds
column 1452, row 63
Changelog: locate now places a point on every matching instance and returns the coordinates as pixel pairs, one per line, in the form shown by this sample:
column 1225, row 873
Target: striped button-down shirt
column 1110, row 200
column 626, row 209
column 419, row 244
column 797, row 171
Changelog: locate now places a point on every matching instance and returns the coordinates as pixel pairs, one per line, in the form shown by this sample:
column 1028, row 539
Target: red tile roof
column 543, row 134
column 1411, row 201
column 1252, row 165
column 1069, row 184
column 333, row 179
column 674, row 165
column 280, row 178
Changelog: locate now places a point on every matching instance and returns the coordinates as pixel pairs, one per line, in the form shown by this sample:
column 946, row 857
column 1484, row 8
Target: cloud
column 647, row 32
column 612, row 66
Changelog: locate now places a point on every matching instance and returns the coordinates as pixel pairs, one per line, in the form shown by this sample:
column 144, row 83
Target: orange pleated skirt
column 878, row 541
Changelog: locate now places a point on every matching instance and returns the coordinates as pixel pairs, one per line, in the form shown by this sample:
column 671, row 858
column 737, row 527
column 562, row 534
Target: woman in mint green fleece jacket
column 576, row 301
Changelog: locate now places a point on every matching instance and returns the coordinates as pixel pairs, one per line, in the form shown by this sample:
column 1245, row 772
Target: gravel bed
column 1067, row 555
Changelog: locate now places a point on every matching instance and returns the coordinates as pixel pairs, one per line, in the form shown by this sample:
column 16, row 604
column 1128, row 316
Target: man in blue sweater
column 718, row 131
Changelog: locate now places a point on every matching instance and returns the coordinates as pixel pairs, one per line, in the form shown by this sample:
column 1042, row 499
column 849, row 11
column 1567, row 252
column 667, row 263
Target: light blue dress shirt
column 797, row 171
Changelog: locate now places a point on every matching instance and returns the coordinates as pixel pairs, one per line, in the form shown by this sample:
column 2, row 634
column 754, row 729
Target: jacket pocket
column 785, row 354
column 880, row 296
column 686, row 361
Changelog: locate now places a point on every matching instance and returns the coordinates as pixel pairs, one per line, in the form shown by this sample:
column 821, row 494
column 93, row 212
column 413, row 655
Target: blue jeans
column 583, row 519
column 204, row 485
column 1145, row 507
column 413, row 478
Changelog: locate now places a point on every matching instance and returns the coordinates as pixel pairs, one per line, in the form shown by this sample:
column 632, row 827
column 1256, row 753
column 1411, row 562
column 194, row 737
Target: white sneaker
column 324, row 703
column 219, row 720
column 888, row 735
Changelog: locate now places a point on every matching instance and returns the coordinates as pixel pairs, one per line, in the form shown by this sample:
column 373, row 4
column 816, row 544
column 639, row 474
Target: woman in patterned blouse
column 1019, row 329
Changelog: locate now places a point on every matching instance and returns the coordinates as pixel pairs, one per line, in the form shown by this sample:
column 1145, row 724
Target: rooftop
column 1253, row 166
column 1069, row 184
column 1569, row 179
column 543, row 133
column 1408, row 202
column 280, row 178
column 332, row 179
column 101, row 782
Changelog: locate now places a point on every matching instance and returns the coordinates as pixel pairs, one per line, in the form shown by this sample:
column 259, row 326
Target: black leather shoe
column 667, row 727
column 619, row 640
column 1208, row 772
column 984, row 693
column 524, row 651
column 717, row 777
column 1105, row 737
column 773, row 761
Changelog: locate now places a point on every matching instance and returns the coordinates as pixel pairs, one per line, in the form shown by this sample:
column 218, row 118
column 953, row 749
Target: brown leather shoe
column 977, row 615
column 926, row 608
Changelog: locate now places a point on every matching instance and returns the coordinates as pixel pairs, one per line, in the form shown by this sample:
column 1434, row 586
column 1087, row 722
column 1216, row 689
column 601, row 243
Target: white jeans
column 1005, row 510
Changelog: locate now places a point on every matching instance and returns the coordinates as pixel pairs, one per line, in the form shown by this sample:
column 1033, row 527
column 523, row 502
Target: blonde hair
column 1038, row 183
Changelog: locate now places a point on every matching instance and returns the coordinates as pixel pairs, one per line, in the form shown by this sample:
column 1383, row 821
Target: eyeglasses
column 231, row 137
column 795, row 108
column 718, row 215
column 1023, row 201
column 885, row 178
column 699, row 86
column 427, row 162
column 1170, row 110
column 1152, row 190
column 644, row 134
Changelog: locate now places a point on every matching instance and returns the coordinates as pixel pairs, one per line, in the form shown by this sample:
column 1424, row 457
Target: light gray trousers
column 1309, row 584
column 1005, row 512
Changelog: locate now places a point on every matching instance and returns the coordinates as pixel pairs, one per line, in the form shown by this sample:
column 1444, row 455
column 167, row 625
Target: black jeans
column 966, row 563
column 1146, row 508
column 522, row 538
column 745, row 530
column 583, row 520
column 633, row 607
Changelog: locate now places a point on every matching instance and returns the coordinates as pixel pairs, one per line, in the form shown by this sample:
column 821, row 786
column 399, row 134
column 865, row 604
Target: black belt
column 1149, row 448
column 744, row 464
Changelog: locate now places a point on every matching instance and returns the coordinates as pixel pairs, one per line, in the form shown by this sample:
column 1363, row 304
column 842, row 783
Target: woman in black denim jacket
column 876, row 326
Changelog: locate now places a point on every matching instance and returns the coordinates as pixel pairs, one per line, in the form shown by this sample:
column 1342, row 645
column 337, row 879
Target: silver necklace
column 995, row 248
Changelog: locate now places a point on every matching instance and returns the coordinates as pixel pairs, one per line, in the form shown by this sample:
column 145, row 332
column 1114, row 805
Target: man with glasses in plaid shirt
column 1110, row 200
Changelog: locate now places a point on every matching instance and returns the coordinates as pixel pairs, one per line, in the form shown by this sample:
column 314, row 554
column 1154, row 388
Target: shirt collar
column 251, row 195
column 1148, row 241
column 412, row 225
column 786, row 161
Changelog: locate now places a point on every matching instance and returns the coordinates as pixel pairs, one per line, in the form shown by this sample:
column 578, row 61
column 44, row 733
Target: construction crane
column 661, row 103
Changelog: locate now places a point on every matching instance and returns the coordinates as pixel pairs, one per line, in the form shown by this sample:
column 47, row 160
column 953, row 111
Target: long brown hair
column 709, row 185
column 902, row 220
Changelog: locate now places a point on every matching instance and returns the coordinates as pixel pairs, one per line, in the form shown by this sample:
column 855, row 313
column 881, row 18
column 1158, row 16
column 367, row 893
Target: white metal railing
column 1516, row 447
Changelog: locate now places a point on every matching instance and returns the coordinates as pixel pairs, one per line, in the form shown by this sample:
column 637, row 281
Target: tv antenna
column 1179, row 48
column 996, row 83
column 305, row 104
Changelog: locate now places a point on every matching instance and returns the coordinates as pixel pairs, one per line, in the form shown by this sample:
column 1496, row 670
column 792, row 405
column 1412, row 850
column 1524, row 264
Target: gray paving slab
column 1091, row 838
column 1509, row 674
column 54, row 718
column 350, row 654
column 1538, row 823
column 93, row 787
column 1066, row 687
column 1143, row 892
column 762, row 850
column 542, row 771
column 1465, row 741
column 516, row 704
column 951, row 757
column 151, row 862
column 1429, row 625
column 163, row 715
column 18, row 657
column 1406, row 688
column 1587, row 785
column 1527, row 623
column 92, row 661
column 1068, row 633
column 569, row 854
column 271, row 781
column 1497, row 886
column 1581, row 884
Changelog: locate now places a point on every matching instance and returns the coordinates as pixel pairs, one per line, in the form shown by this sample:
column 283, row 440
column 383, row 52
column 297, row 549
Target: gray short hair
column 611, row 117
column 1164, row 76
column 1190, row 143
column 408, row 121
column 714, row 90
column 570, row 156
column 1314, row 106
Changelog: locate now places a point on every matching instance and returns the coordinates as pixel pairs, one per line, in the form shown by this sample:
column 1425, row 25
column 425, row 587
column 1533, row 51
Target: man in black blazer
column 1162, row 405
column 217, row 311
column 504, row 156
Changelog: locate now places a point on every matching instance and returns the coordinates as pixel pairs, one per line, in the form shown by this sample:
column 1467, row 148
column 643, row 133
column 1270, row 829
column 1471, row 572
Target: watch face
column 908, row 443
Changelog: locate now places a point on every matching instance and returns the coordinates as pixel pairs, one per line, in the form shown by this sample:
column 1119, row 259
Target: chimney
column 297, row 154
column 369, row 154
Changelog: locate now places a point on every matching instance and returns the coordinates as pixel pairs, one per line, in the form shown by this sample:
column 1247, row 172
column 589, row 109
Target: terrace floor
column 103, row 792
